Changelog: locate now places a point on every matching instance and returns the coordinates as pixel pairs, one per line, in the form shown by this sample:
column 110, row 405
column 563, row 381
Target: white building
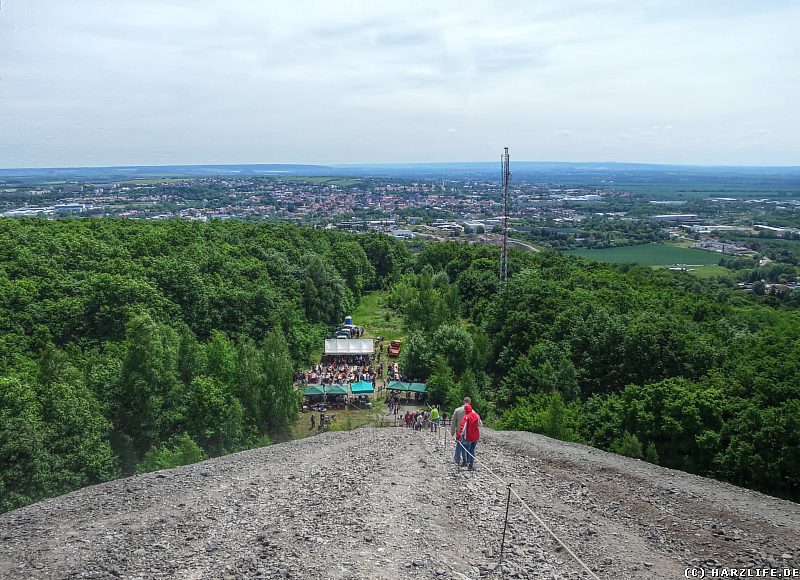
column 402, row 234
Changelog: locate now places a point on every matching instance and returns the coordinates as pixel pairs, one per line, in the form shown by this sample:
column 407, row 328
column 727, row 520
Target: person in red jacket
column 471, row 427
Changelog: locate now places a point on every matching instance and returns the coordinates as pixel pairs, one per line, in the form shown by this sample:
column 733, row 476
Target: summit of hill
column 390, row 503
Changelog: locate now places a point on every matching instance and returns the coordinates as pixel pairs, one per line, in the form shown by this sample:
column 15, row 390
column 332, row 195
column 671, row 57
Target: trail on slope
column 389, row 503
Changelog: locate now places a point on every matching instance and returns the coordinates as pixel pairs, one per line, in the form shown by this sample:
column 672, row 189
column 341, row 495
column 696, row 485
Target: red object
column 394, row 348
column 470, row 421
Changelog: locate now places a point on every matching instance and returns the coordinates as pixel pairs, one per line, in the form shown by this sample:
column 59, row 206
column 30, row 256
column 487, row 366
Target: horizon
column 392, row 164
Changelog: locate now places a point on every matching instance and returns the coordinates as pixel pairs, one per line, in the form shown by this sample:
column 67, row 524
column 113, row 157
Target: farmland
column 650, row 255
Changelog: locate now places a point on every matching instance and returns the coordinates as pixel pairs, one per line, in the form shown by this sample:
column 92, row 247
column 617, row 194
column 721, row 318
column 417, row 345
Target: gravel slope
column 389, row 503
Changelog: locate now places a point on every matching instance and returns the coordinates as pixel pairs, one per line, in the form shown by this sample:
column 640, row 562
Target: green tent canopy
column 398, row 386
column 311, row 390
column 336, row 390
column 361, row 388
column 401, row 386
column 417, row 387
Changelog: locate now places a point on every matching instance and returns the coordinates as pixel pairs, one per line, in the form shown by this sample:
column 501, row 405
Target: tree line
column 129, row 346
column 658, row 365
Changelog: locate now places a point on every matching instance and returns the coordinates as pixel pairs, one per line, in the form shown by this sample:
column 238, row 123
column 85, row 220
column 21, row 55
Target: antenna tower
column 506, row 172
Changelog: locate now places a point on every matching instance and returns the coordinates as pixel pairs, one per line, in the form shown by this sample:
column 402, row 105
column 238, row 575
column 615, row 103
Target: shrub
column 628, row 445
column 180, row 450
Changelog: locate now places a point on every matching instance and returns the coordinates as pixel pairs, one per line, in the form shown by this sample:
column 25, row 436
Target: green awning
column 336, row 390
column 401, row 386
column 311, row 390
column 398, row 386
column 361, row 388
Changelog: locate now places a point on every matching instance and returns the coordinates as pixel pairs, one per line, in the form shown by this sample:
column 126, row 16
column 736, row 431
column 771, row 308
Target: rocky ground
column 389, row 503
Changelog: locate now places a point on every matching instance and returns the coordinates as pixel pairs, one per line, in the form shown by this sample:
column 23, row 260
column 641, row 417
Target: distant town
column 746, row 232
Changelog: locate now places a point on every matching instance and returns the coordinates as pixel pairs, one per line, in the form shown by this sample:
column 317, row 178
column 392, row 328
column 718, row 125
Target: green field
column 651, row 255
column 340, row 181
column 739, row 186
column 710, row 271
column 153, row 180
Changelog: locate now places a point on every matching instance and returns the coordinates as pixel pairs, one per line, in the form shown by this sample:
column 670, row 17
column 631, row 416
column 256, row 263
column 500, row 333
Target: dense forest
column 653, row 364
column 129, row 346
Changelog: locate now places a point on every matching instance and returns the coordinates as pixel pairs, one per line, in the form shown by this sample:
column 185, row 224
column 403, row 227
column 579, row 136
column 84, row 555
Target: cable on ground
column 533, row 513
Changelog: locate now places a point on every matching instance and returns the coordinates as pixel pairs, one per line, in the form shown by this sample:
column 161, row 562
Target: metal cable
column 533, row 513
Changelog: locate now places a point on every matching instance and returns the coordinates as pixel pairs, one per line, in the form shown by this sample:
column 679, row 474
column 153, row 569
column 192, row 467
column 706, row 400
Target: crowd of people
column 355, row 331
column 393, row 372
column 419, row 420
column 341, row 371
column 465, row 424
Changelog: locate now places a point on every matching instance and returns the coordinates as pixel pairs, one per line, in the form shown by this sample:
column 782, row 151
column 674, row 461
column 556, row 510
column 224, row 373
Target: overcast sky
column 119, row 82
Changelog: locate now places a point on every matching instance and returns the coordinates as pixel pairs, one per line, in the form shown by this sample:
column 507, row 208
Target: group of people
column 342, row 372
column 420, row 420
column 393, row 404
column 324, row 422
column 465, row 426
column 393, row 372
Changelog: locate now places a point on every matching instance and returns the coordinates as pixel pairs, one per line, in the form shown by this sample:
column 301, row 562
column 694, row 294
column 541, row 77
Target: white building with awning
column 349, row 346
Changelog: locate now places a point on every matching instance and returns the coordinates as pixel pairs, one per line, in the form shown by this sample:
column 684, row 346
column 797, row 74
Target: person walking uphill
column 455, row 423
column 470, row 428
column 435, row 419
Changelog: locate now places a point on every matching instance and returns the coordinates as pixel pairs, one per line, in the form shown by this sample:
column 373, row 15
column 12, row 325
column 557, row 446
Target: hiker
column 455, row 423
column 469, row 432
column 435, row 419
column 312, row 423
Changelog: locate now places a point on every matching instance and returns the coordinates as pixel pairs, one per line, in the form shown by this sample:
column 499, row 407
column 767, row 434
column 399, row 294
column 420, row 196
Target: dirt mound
column 389, row 503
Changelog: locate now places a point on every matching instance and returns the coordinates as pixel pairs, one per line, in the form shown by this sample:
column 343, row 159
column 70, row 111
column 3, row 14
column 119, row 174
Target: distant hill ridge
column 521, row 169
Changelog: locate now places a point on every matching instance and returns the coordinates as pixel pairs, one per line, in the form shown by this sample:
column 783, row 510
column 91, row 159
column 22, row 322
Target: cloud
column 95, row 82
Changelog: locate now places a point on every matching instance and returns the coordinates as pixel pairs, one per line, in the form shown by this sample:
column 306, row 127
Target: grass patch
column 346, row 420
column 710, row 271
column 650, row 255
column 682, row 242
column 378, row 320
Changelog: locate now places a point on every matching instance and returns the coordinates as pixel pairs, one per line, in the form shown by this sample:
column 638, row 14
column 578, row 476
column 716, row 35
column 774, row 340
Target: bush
column 522, row 417
column 650, row 454
column 546, row 414
column 180, row 450
column 628, row 445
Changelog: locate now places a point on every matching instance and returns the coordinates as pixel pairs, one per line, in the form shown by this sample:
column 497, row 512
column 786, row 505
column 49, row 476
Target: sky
column 99, row 82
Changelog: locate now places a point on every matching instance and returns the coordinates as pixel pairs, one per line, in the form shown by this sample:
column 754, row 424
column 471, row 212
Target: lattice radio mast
column 504, row 251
